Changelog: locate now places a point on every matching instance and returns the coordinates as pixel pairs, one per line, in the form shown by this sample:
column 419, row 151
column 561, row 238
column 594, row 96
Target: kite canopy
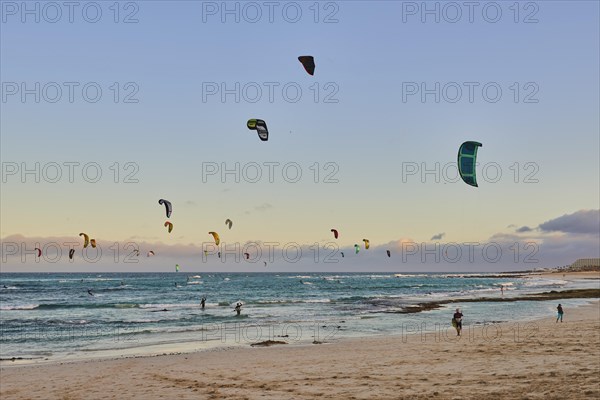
column 170, row 225
column 308, row 62
column 367, row 243
column 71, row 253
column 216, row 237
column 335, row 233
column 388, row 253
column 260, row 127
column 228, row 222
column 168, row 206
column 356, row 249
column 86, row 239
column 467, row 156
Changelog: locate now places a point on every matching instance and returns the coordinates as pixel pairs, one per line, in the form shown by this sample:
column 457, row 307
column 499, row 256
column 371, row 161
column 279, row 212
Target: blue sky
column 373, row 133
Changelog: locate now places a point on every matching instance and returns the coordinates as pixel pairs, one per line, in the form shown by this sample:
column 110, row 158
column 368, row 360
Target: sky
column 108, row 107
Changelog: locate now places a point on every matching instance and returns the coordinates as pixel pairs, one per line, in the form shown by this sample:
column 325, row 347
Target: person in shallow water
column 238, row 307
column 203, row 302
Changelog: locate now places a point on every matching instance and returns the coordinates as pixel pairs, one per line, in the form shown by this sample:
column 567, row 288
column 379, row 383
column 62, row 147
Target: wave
column 545, row 282
column 290, row 301
column 22, row 307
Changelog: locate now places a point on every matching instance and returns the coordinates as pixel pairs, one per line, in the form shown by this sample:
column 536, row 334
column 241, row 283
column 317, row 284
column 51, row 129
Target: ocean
column 52, row 316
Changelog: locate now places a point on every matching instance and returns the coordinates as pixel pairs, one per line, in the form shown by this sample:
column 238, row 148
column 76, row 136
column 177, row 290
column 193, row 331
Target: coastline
column 537, row 358
column 218, row 336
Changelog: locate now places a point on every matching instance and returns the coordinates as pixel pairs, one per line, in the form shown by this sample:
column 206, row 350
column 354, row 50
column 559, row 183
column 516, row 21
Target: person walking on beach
column 560, row 313
column 457, row 321
column 203, row 302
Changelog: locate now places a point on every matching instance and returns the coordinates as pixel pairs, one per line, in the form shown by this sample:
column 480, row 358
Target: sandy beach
column 539, row 359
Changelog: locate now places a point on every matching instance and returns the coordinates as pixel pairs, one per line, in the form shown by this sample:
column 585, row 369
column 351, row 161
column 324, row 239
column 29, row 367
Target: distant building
column 585, row 264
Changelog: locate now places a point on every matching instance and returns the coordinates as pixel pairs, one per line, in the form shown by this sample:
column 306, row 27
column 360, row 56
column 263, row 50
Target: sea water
column 82, row 315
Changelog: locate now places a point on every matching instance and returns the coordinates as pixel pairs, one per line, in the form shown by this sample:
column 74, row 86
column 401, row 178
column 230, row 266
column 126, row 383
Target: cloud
column 263, row 207
column 524, row 229
column 439, row 236
column 260, row 208
column 504, row 251
column 582, row 222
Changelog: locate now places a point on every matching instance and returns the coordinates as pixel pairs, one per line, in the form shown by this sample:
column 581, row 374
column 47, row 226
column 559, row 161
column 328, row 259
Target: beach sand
column 541, row 359
column 569, row 276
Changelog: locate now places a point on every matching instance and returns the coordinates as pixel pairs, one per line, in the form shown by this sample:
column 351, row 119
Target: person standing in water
column 238, row 307
column 457, row 321
column 560, row 313
column 203, row 302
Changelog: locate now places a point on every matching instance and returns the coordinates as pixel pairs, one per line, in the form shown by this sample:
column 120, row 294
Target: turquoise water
column 53, row 315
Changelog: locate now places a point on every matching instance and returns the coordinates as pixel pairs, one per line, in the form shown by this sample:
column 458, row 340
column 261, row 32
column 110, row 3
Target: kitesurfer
column 238, row 307
column 203, row 302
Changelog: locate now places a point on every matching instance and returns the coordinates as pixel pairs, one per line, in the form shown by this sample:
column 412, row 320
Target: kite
column 170, row 225
column 467, row 156
column 216, row 237
column 168, row 206
column 335, row 233
column 308, row 62
column 86, row 239
column 260, row 127
column 228, row 222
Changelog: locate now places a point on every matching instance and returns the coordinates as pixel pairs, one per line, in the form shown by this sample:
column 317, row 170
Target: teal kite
column 467, row 156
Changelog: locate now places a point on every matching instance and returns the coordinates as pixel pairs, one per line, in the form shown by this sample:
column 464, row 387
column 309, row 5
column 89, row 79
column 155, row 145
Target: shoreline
column 540, row 356
column 211, row 343
column 203, row 345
